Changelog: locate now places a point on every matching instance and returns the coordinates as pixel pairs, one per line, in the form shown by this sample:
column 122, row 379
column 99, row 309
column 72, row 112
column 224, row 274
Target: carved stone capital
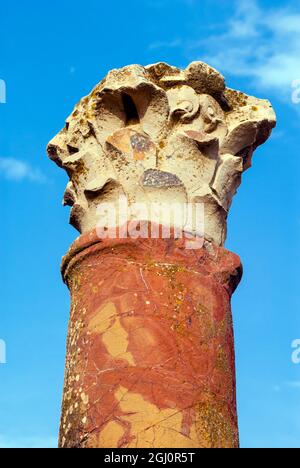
column 157, row 133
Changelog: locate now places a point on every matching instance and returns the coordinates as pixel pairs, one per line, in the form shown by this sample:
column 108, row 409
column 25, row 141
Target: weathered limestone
column 150, row 358
column 158, row 132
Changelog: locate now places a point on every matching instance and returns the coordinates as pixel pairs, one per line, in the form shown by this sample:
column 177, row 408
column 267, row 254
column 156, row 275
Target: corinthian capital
column 157, row 133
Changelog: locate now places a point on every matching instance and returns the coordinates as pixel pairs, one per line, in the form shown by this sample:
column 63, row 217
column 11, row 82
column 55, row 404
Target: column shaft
column 150, row 358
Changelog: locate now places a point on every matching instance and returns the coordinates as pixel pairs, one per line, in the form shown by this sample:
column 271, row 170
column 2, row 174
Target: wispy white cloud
column 28, row 442
column 17, row 170
column 259, row 43
column 293, row 384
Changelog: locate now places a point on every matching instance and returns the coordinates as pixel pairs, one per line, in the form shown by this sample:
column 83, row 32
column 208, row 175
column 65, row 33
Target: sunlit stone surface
column 150, row 359
column 158, row 133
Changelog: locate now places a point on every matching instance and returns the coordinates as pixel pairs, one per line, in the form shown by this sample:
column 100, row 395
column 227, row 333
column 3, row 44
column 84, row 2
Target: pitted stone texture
column 141, row 123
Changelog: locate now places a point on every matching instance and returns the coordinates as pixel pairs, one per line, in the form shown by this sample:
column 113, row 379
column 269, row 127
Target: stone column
column 154, row 155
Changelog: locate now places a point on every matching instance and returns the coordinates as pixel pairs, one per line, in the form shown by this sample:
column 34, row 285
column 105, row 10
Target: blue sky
column 53, row 53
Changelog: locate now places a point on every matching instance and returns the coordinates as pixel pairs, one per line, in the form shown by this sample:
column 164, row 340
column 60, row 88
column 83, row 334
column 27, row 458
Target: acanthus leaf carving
column 157, row 132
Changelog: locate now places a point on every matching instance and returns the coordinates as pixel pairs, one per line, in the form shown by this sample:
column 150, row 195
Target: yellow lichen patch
column 214, row 426
column 84, row 398
column 110, row 435
column 114, row 336
column 151, row 426
column 138, row 156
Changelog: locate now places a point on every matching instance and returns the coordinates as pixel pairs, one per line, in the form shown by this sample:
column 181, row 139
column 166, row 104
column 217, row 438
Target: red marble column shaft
column 150, row 354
